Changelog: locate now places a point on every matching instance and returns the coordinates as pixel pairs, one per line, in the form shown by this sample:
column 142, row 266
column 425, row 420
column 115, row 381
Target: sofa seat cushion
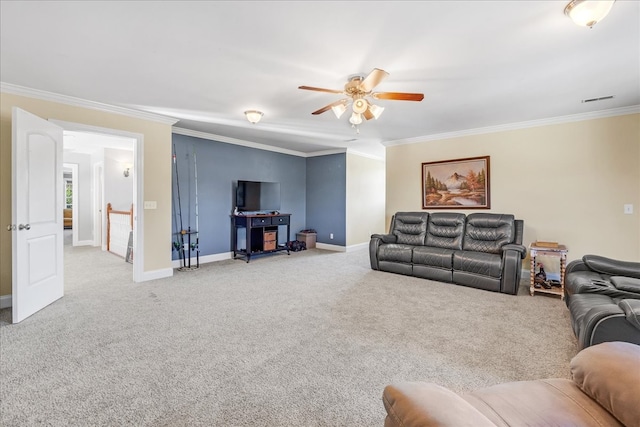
column 433, row 257
column 395, row 252
column 629, row 284
column 550, row 402
column 482, row 263
column 590, row 282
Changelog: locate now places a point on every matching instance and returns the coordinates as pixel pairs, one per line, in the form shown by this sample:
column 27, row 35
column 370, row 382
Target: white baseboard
column 5, row 301
column 84, row 243
column 358, row 247
column 177, row 263
column 156, row 274
column 328, row 247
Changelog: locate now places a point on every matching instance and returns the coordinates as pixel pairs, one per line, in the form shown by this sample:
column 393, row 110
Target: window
column 68, row 194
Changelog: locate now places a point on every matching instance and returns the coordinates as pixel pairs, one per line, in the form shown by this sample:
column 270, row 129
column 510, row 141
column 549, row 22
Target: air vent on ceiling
column 602, row 98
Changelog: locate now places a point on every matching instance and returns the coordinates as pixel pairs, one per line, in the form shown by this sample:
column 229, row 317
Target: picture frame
column 456, row 184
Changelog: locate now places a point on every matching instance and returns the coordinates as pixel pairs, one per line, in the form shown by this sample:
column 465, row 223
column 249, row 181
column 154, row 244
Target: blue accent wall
column 219, row 167
column 326, row 197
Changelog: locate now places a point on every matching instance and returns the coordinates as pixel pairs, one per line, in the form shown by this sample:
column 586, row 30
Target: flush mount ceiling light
column 588, row 13
column 253, row 116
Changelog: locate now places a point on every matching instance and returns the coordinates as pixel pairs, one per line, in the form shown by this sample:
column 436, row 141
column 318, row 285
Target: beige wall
column 157, row 174
column 365, row 194
column 568, row 182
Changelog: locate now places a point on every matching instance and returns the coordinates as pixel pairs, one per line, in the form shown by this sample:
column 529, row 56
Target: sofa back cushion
column 410, row 227
column 445, row 230
column 609, row 373
column 485, row 232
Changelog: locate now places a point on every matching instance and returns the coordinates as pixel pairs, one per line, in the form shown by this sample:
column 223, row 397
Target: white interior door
column 37, row 237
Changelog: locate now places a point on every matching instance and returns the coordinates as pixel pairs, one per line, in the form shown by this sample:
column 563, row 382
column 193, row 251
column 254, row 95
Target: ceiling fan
column 358, row 89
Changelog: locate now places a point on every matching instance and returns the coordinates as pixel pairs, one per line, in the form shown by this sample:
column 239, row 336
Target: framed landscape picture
column 456, row 184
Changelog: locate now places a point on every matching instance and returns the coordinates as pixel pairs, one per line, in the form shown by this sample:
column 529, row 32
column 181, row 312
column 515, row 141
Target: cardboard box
column 269, row 241
column 308, row 238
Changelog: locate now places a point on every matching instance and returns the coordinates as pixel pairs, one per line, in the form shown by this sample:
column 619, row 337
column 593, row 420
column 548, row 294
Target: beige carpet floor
column 309, row 339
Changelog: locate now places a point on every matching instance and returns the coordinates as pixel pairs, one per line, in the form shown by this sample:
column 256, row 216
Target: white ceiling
column 93, row 143
column 479, row 63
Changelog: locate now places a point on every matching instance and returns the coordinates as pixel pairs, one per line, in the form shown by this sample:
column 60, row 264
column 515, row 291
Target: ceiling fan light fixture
column 360, row 106
column 376, row 110
column 253, row 116
column 355, row 118
column 588, row 13
column 339, row 110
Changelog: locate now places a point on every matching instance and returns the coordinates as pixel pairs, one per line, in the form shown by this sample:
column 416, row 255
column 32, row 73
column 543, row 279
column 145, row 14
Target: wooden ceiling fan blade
column 328, row 107
column 399, row 96
column 319, row 89
column 373, row 79
column 368, row 114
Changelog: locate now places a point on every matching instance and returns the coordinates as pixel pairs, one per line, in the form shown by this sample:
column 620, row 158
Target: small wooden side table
column 548, row 249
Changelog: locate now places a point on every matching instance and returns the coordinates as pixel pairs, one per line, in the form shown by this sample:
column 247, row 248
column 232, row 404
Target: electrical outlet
column 150, row 204
column 331, row 236
column 628, row 209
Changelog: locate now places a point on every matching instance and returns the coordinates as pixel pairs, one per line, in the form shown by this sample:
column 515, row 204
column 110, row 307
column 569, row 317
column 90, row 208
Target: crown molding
column 78, row 102
column 326, row 152
column 520, row 125
column 234, row 141
column 258, row 146
column 355, row 152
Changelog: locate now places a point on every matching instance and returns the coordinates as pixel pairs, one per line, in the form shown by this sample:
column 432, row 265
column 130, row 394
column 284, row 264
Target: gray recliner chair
column 603, row 297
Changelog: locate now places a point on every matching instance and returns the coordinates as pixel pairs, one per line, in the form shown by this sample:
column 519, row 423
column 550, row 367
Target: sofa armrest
column 374, row 243
column 385, row 238
column 576, row 265
column 518, row 248
column 511, row 270
column 612, row 267
column 417, row 404
column 631, row 309
column 609, row 374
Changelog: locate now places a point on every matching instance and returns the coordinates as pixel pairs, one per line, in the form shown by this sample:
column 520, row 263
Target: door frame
column 96, row 206
column 138, row 188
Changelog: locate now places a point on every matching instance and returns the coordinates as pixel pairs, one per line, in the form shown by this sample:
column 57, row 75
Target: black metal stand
column 186, row 263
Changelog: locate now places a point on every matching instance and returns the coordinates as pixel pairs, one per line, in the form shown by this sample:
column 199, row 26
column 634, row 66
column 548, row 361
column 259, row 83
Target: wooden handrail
column 111, row 211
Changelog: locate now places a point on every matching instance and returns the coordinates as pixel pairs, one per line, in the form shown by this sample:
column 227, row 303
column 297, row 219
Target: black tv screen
column 253, row 196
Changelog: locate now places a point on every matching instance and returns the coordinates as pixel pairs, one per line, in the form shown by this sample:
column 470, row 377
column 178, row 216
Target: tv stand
column 261, row 236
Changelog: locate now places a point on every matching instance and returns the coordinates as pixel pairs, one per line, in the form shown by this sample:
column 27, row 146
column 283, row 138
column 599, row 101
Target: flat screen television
column 255, row 196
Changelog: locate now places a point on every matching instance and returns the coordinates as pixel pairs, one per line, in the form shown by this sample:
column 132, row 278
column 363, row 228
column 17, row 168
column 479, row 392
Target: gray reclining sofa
column 603, row 297
column 480, row 250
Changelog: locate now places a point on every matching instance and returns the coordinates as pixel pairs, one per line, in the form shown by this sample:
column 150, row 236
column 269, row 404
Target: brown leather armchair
column 603, row 391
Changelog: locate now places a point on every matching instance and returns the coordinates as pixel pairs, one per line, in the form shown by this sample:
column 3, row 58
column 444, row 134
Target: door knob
column 24, row 227
column 11, row 227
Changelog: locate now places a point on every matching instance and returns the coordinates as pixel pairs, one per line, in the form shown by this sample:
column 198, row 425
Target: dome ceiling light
column 588, row 13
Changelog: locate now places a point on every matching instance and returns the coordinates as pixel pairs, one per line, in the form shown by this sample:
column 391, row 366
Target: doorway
column 89, row 144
